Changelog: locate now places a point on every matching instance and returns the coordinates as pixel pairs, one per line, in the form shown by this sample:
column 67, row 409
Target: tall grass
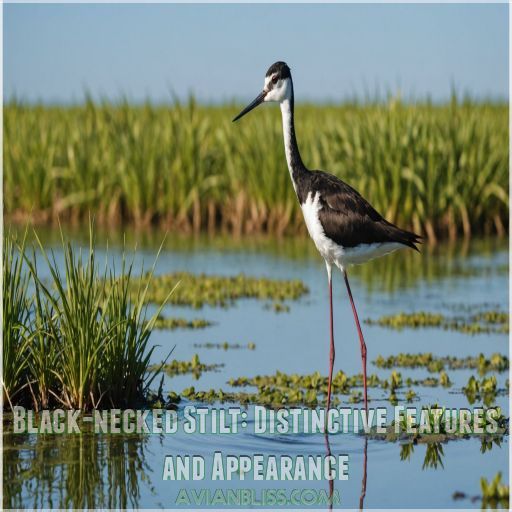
column 81, row 339
column 16, row 320
column 441, row 170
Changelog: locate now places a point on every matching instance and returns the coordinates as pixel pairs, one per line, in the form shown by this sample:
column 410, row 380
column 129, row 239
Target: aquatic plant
column 270, row 397
column 278, row 307
column 483, row 322
column 226, row 346
column 413, row 320
column 194, row 366
column 438, row 169
column 492, row 317
column 410, row 395
column 496, row 363
column 494, row 492
column 314, row 386
column 444, row 379
column 433, row 423
column 197, row 290
column 171, row 323
column 485, row 389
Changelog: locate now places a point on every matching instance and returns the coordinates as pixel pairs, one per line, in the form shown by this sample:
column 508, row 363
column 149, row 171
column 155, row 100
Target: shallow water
column 125, row 471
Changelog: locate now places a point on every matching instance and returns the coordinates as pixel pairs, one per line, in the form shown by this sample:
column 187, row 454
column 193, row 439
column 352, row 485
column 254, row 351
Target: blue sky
column 220, row 52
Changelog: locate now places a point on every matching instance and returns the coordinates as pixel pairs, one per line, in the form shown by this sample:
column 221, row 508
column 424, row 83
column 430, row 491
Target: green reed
column 16, row 319
column 441, row 170
column 78, row 338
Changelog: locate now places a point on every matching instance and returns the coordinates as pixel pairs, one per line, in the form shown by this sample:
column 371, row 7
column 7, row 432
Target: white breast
column 332, row 252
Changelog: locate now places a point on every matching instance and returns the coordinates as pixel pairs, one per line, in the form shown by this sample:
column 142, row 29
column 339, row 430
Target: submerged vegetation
column 78, row 339
column 482, row 322
column 441, row 170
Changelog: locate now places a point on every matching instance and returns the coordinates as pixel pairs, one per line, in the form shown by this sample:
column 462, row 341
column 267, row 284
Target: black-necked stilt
column 345, row 227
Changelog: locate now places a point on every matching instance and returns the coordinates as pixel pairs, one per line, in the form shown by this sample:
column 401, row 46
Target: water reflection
column 112, row 472
column 488, row 443
column 478, row 257
column 433, row 455
column 329, row 455
column 363, row 482
column 74, row 471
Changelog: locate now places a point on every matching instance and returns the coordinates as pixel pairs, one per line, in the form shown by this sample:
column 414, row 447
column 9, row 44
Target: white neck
column 286, row 112
column 295, row 165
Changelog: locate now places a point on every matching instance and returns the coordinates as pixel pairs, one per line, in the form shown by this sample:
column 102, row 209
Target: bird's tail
column 402, row 236
column 410, row 239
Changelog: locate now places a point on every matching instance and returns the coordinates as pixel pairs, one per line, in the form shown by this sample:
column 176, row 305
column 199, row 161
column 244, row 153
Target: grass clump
column 198, row 290
column 82, row 335
column 16, row 320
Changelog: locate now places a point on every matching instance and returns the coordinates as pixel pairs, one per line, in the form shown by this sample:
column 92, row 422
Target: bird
column 346, row 229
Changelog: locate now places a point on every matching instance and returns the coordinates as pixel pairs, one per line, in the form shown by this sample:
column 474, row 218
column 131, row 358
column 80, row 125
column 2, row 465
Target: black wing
column 349, row 219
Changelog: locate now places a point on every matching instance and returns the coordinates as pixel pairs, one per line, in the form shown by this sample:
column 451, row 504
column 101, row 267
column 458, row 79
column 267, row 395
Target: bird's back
column 347, row 218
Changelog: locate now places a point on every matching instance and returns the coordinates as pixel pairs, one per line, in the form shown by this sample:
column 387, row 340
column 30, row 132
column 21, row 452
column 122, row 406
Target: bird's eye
column 274, row 79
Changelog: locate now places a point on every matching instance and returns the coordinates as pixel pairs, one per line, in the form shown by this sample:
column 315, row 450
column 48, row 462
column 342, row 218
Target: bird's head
column 277, row 87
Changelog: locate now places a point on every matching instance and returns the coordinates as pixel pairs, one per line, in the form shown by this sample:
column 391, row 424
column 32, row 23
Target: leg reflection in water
column 363, row 483
column 331, row 482
column 365, row 467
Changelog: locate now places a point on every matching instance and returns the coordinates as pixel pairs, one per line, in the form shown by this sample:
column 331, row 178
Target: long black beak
column 254, row 103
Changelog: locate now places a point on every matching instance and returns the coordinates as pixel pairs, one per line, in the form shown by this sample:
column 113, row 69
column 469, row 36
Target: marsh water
column 87, row 470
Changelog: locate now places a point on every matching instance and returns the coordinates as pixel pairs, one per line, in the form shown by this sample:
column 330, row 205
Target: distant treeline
column 440, row 170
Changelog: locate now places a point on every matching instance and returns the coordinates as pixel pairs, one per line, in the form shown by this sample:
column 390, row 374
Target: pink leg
column 361, row 341
column 331, row 352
